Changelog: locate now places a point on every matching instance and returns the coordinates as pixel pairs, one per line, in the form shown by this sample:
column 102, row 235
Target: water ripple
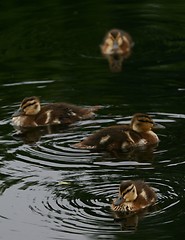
column 71, row 190
column 80, row 209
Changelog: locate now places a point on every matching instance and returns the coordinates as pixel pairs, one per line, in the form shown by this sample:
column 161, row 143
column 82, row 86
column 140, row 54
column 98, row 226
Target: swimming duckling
column 133, row 196
column 118, row 42
column 123, row 137
column 32, row 114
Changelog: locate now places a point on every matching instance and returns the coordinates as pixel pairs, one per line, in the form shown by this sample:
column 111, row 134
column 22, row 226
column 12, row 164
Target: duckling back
column 119, row 137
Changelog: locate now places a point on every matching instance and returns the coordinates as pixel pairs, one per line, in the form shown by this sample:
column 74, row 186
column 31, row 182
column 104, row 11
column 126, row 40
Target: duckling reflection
column 116, row 47
column 127, row 222
column 133, row 201
column 32, row 135
column 133, row 156
column 130, row 221
column 115, row 62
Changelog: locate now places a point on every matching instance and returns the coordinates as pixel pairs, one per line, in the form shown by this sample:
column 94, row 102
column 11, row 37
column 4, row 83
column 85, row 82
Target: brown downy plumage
column 117, row 41
column 133, row 196
column 31, row 113
column 121, row 137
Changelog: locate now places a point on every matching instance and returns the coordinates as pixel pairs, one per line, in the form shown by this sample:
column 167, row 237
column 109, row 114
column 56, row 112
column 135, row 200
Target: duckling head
column 117, row 39
column 127, row 193
column 144, row 123
column 29, row 106
column 113, row 42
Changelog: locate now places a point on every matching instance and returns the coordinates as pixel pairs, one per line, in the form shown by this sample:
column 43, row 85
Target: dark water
column 48, row 190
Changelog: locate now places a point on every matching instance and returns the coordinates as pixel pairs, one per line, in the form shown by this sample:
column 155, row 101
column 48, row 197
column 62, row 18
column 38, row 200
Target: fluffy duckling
column 32, row 114
column 117, row 42
column 133, row 196
column 123, row 137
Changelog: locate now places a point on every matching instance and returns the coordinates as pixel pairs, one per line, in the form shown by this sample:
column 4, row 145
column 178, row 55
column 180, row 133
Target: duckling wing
column 63, row 113
column 146, row 194
column 110, row 138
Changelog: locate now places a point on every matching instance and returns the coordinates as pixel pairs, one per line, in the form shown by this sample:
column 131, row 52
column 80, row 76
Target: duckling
column 123, row 137
column 133, row 196
column 32, row 114
column 118, row 42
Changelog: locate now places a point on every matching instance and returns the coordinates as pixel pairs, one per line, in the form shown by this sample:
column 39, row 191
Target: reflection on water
column 130, row 222
column 32, row 135
column 115, row 62
column 51, row 49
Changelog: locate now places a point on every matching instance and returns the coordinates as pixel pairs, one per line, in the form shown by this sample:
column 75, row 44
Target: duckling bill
column 122, row 137
column 31, row 113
